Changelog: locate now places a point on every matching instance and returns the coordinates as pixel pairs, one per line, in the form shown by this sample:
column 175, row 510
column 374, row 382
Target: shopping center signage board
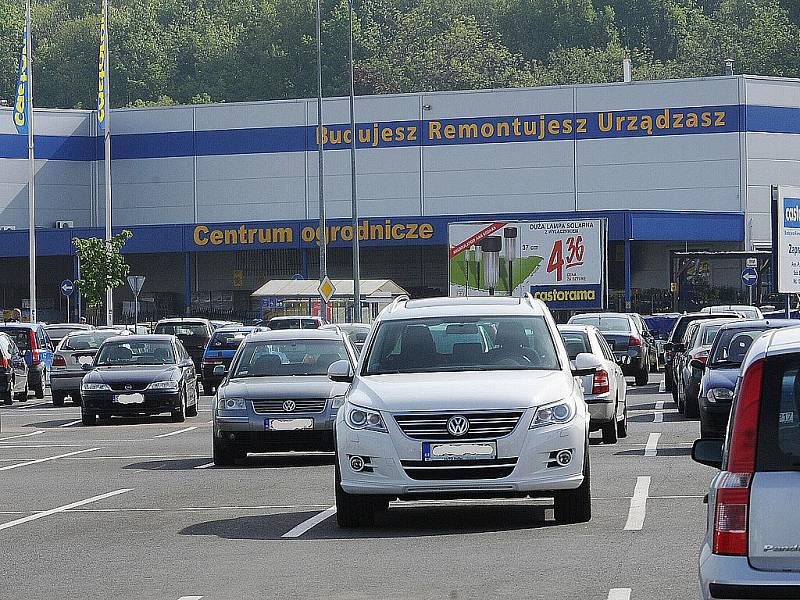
column 786, row 239
column 560, row 262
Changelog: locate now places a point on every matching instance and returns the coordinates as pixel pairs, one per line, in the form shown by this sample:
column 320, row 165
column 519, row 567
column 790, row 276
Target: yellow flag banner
column 102, row 74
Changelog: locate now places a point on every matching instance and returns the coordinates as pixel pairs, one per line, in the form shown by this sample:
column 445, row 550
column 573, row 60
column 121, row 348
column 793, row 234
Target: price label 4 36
column 560, row 260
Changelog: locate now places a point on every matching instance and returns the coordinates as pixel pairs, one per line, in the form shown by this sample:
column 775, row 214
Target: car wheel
column 622, row 425
column 224, row 454
column 23, row 395
column 38, row 389
column 667, row 379
column 191, row 411
column 575, row 506
column 8, row 395
column 674, row 391
column 353, row 510
column 610, row 432
column 643, row 375
column 76, row 398
column 88, row 418
column 58, row 398
column 179, row 414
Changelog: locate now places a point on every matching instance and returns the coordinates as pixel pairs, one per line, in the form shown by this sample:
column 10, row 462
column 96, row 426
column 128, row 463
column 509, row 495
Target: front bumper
column 393, row 456
column 715, row 415
column 154, row 403
column 732, row 578
column 248, row 431
column 66, row 381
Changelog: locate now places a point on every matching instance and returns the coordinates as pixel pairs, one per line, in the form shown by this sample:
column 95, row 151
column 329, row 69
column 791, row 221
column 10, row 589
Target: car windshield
column 732, row 345
column 275, row 358
column 604, row 324
column 190, row 329
column 137, row 352
column 227, row 340
column 20, row 335
column 576, row 342
column 462, row 344
column 86, row 341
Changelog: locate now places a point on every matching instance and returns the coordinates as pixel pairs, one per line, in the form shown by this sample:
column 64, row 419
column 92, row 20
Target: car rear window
column 87, row 341
column 227, row 340
column 183, row 329
column 779, row 420
column 20, row 335
column 605, row 324
column 277, row 324
column 576, row 343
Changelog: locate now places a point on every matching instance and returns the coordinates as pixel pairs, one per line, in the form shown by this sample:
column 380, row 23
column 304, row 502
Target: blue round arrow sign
column 749, row 276
column 67, row 287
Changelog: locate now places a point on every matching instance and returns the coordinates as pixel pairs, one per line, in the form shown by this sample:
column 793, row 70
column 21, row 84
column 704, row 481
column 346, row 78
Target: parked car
column 751, row 545
column 277, row 395
column 660, row 325
column 505, row 420
column 632, row 350
column 220, row 350
column 673, row 348
column 75, row 350
column 13, row 372
column 357, row 332
column 194, row 334
column 33, row 342
column 747, row 311
column 651, row 340
column 139, row 375
column 697, row 341
column 57, row 331
column 605, row 390
column 721, row 371
column 278, row 323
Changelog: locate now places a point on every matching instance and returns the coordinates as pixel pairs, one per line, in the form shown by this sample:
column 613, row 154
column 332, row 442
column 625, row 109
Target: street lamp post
column 323, row 228
column 353, row 141
column 31, row 169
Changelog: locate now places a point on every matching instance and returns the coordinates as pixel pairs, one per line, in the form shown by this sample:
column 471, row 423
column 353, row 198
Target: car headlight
column 337, row 402
column 170, row 385
column 557, row 413
column 719, row 394
column 94, row 387
column 232, row 404
column 363, row 418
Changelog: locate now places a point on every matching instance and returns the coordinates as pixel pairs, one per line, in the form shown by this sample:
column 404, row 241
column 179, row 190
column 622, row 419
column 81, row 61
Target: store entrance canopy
column 371, row 289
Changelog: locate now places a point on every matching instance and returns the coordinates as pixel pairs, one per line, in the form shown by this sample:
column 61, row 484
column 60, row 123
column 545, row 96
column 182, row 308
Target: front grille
column 482, row 425
column 463, row 469
column 308, row 405
column 120, row 387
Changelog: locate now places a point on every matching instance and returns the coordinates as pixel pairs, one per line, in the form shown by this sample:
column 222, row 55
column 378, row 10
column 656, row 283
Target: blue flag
column 22, row 105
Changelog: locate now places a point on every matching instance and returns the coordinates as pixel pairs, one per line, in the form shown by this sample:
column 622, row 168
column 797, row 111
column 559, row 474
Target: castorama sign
column 786, row 239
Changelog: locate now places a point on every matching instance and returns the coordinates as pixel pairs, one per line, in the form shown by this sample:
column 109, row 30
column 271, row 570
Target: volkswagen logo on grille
column 289, row 406
column 458, row 425
column 128, row 387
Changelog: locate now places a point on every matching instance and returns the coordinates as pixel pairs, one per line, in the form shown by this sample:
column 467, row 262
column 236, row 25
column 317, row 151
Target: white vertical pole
column 354, row 199
column 323, row 227
column 31, row 167
column 107, row 157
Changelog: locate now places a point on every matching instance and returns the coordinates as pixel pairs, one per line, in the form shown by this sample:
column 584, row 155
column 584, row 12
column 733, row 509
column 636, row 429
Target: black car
column 13, row 372
column 140, row 375
column 194, row 334
column 721, row 371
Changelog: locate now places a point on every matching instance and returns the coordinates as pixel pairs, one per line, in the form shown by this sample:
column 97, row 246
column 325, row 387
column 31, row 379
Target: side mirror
column 220, row 370
column 86, row 367
column 586, row 364
column 341, row 371
column 708, row 452
column 697, row 364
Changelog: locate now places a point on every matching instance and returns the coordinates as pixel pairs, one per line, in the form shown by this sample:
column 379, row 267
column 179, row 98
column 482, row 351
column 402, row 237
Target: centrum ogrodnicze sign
column 561, row 262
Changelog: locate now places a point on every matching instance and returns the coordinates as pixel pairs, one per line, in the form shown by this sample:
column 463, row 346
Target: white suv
column 462, row 397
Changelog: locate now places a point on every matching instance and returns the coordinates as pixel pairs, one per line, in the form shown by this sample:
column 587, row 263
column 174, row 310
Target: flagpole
column 323, row 228
column 31, row 168
column 354, row 198
column 107, row 151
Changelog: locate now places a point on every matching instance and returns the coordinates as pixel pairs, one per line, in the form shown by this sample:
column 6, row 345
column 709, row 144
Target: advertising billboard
column 561, row 262
column 786, row 239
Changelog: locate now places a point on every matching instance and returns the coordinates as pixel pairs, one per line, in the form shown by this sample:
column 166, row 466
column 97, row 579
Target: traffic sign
column 751, row 262
column 136, row 282
column 67, row 287
column 326, row 289
column 749, row 276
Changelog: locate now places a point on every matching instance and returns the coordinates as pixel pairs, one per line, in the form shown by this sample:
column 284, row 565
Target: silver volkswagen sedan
column 277, row 395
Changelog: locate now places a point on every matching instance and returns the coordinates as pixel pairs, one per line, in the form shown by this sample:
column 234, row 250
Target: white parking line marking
column 190, row 598
column 60, row 509
column 37, row 405
column 139, row 456
column 638, row 508
column 659, row 416
column 5, row 446
column 41, row 460
column 205, row 466
column 71, row 423
column 14, row 437
column 619, row 594
column 651, row 449
column 163, row 435
column 296, row 532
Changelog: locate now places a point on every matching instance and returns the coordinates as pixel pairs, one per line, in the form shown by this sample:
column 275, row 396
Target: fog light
column 357, row 463
column 563, row 458
column 231, row 436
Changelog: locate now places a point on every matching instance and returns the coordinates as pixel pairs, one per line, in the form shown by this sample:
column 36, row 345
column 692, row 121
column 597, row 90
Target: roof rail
column 396, row 301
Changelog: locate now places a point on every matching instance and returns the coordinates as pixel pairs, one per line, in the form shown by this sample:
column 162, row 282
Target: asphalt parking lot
column 137, row 510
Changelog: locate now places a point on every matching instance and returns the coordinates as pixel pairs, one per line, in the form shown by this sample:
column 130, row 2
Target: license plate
column 288, row 424
column 129, row 398
column 459, row 451
column 85, row 360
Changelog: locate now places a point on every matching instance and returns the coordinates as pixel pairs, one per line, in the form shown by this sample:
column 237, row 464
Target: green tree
column 102, row 266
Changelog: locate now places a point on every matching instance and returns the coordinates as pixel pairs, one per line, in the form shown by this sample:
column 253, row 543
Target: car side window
column 604, row 347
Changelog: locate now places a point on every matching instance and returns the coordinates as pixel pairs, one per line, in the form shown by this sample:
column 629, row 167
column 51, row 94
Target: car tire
column 191, row 411
column 58, row 398
column 674, row 390
column 8, row 395
column 622, row 425
column 643, row 376
column 76, row 398
column 179, row 415
column 88, row 418
column 667, row 380
column 224, row 454
column 575, row 506
column 38, row 389
column 610, row 432
column 353, row 510
column 23, row 395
